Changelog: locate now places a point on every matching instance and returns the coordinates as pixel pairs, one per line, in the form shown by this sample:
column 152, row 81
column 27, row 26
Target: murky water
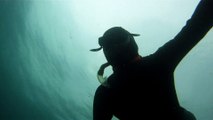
column 48, row 73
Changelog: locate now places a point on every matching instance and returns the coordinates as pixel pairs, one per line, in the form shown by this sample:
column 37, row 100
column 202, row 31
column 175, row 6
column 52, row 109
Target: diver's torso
column 143, row 89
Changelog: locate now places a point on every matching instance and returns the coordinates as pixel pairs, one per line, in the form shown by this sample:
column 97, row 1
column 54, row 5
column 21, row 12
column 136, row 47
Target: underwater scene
column 47, row 71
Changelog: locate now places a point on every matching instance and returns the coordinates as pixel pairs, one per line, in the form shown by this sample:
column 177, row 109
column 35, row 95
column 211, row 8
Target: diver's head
column 118, row 45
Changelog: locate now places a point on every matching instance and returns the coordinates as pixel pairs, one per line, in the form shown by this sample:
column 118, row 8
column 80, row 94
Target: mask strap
column 97, row 49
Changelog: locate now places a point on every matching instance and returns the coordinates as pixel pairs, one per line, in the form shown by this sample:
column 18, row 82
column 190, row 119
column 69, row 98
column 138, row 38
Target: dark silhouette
column 143, row 87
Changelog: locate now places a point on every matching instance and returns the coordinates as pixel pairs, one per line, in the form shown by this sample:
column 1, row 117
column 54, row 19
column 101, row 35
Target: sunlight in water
column 48, row 73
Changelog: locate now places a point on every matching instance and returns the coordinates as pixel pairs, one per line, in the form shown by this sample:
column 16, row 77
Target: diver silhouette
column 143, row 87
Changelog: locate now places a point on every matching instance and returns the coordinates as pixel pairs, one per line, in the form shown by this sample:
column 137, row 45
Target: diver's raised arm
column 194, row 30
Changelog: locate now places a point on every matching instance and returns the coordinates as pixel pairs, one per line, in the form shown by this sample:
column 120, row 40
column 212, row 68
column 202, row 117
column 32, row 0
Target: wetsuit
column 145, row 90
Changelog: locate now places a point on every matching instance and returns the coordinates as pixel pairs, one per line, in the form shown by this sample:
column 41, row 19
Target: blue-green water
column 48, row 73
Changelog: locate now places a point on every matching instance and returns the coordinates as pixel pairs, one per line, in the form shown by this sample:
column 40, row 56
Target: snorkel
column 115, row 39
column 100, row 73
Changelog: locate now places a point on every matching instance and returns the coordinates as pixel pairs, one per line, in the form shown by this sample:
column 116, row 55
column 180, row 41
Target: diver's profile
column 143, row 87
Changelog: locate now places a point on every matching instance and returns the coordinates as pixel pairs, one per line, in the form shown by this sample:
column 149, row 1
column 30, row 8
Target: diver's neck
column 124, row 65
